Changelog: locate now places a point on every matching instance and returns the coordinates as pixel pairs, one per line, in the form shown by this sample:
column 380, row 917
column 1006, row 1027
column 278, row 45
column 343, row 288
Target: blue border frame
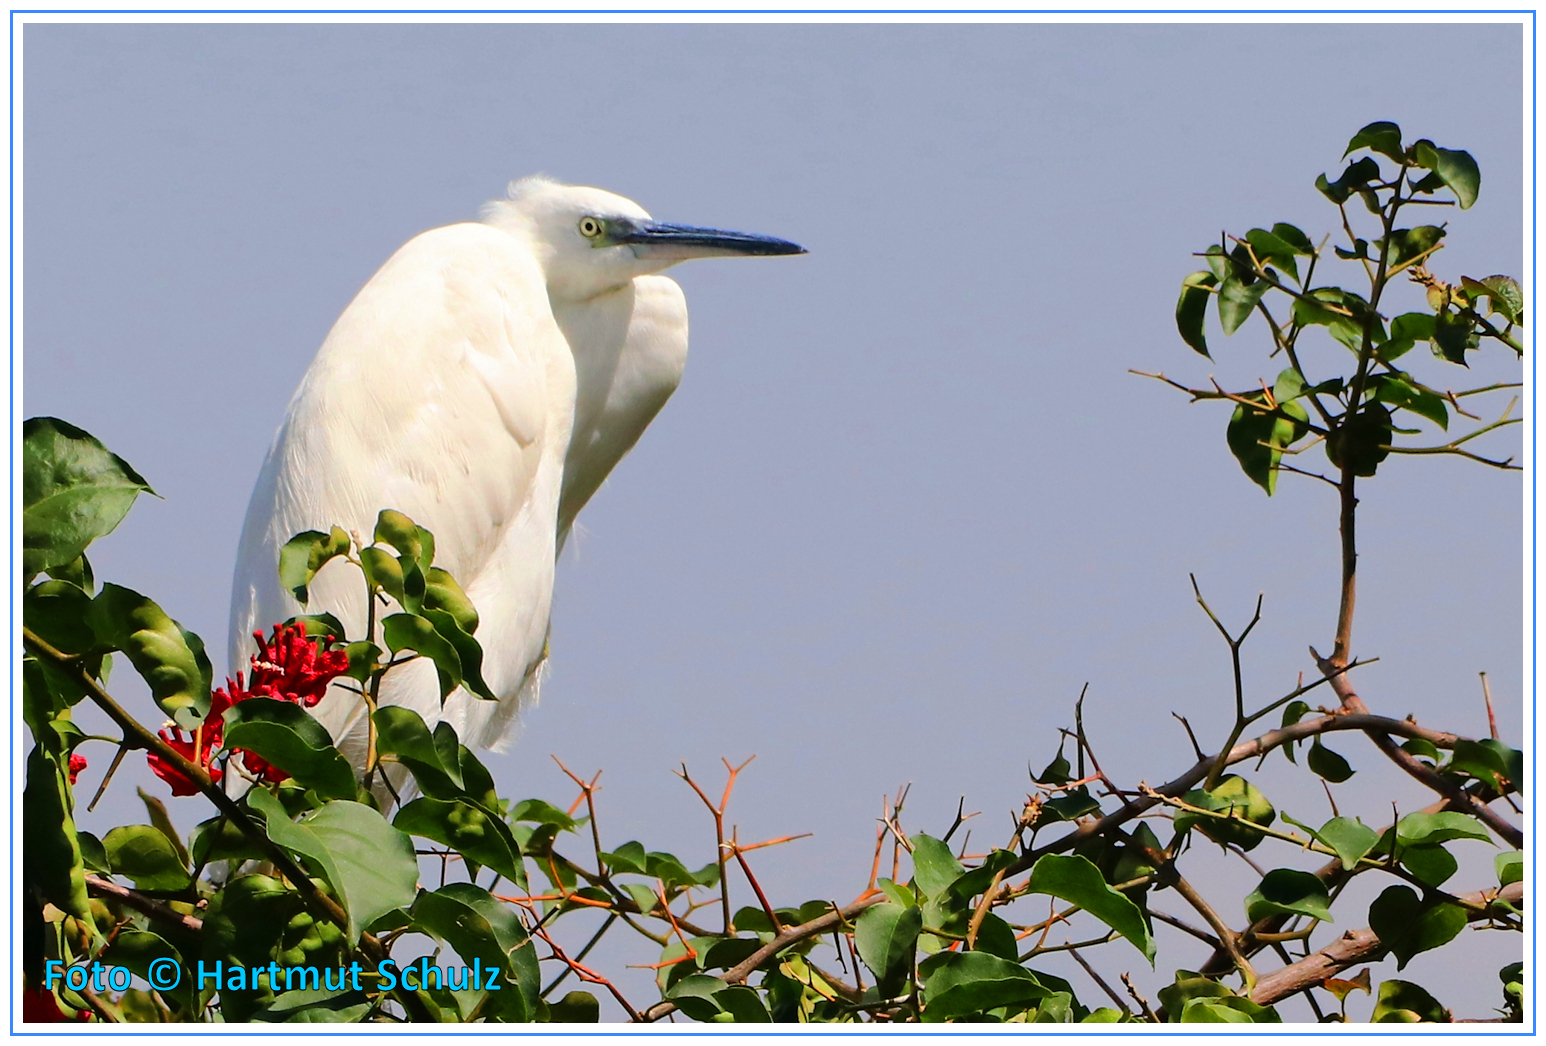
column 270, row 1030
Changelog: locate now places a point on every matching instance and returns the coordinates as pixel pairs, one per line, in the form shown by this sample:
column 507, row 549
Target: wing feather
column 445, row 391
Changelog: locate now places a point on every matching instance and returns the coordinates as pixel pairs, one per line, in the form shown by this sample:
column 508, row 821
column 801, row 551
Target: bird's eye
column 590, row 228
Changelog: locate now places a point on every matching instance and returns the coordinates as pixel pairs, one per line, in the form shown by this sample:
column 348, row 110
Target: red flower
column 291, row 667
column 199, row 748
column 287, row 667
column 38, row 1006
column 77, row 764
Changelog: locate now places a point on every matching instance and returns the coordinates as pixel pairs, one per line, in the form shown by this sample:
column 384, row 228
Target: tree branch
column 1354, row 947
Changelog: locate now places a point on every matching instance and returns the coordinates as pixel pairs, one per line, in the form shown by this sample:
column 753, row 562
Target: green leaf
column 705, row 998
column 1403, row 245
column 305, row 554
column 441, row 592
column 1295, row 711
column 217, row 839
column 1408, row 925
column 94, row 854
column 58, row 612
column 469, row 653
column 1455, row 168
column 887, row 939
column 1490, row 761
column 1350, row 838
column 1401, row 1002
column 1228, row 1009
column 1057, row 772
column 137, row 949
column 1295, row 238
column 162, row 821
column 1504, row 295
column 974, row 881
column 1270, row 247
column 364, row 659
column 170, row 658
column 74, row 490
column 960, row 983
column 996, row 937
column 1401, row 391
column 323, row 626
column 1417, row 829
column 629, row 857
column 1362, row 441
column 1452, row 333
column 1242, row 806
column 1192, row 309
column 539, row 812
column 1074, row 879
column 1510, row 866
column 1218, row 261
column 370, row 865
column 1287, row 891
column 1068, row 807
column 1189, row 985
column 433, row 759
column 51, row 852
column 1419, row 746
column 1432, row 865
column 1213, row 1011
column 1258, row 437
column 934, row 866
column 410, row 539
column 1382, row 136
column 78, row 571
column 1358, row 174
column 466, row 829
column 142, row 852
column 286, row 735
column 476, row 925
column 383, row 571
column 315, row 1006
column 575, row 1008
column 1237, row 300
column 1328, row 764
column 413, row 632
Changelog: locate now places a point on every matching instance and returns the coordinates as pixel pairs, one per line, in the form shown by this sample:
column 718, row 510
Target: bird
column 484, row 382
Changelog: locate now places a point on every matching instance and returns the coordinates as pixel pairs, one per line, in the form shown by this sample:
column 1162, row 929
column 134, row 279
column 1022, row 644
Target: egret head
column 589, row 241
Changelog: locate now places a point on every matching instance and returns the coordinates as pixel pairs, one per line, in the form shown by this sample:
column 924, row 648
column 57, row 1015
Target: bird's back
column 445, row 391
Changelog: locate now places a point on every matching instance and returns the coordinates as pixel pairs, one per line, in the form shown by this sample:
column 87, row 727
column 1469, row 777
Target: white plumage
column 484, row 382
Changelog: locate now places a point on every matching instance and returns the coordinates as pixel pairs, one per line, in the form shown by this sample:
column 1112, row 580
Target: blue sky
column 908, row 499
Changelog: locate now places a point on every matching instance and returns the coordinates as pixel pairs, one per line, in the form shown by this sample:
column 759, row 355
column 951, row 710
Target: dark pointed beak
column 659, row 239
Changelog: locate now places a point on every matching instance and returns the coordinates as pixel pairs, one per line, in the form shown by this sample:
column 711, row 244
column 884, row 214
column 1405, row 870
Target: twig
column 1196, row 748
column 1492, row 719
column 718, row 813
column 1110, row 994
column 1186, row 927
column 123, row 750
column 746, row 870
column 792, row 935
column 1356, row 946
column 1143, row 1004
column 145, row 905
column 587, row 975
column 1450, row 790
column 138, row 736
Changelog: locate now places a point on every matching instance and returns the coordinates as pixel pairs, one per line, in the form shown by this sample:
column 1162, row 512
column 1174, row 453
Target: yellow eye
column 590, row 228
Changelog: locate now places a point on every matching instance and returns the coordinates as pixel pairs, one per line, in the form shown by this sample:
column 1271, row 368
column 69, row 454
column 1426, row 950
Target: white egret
column 484, row 382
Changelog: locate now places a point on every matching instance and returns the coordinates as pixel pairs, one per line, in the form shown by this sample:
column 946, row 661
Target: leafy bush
column 309, row 866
